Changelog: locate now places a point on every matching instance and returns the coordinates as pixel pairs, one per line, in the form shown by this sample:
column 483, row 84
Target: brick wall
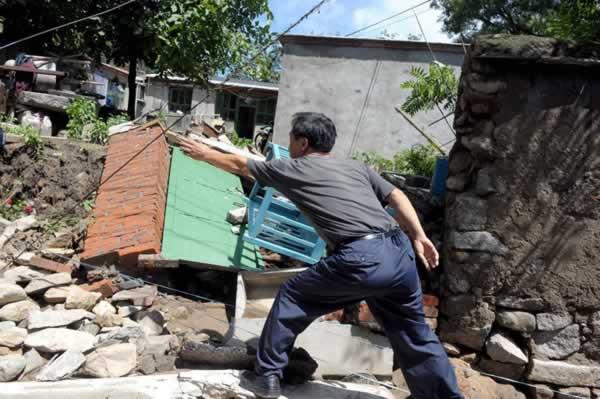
column 130, row 206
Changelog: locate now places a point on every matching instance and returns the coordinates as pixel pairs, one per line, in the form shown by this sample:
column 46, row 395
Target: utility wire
column 67, row 24
column 164, row 130
column 386, row 19
column 400, row 20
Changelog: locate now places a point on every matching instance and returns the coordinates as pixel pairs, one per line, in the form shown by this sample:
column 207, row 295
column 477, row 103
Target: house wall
column 157, row 97
column 335, row 80
column 522, row 218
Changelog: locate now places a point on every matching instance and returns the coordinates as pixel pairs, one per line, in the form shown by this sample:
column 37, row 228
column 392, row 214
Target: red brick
column 105, row 287
column 430, row 300
column 49, row 265
column 130, row 207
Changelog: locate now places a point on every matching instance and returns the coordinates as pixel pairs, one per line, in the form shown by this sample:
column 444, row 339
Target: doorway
column 246, row 122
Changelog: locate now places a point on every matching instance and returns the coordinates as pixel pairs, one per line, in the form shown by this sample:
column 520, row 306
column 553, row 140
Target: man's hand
column 426, row 251
column 195, row 149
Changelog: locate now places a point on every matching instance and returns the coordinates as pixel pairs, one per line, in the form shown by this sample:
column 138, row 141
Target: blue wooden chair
column 276, row 224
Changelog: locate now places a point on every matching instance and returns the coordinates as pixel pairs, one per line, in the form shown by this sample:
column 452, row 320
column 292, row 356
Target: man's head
column 311, row 132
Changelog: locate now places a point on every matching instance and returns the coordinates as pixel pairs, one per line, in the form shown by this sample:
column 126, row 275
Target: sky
column 340, row 17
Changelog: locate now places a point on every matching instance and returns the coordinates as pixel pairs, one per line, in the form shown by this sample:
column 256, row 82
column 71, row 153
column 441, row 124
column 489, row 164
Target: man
column 371, row 258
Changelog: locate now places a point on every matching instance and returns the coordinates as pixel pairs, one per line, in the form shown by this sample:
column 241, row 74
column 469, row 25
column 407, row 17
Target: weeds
column 418, row 160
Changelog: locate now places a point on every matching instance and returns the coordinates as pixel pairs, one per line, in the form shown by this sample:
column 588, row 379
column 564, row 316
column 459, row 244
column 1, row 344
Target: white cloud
column 403, row 24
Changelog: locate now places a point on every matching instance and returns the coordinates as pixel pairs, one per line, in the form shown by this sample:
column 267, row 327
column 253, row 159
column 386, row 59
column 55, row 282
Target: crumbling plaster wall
column 522, row 243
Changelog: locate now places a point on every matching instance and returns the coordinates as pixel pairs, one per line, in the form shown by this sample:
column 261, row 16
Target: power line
column 67, row 24
column 386, row 19
column 164, row 130
column 421, row 12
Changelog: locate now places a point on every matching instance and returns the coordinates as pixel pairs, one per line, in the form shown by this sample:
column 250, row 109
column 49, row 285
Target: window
column 265, row 111
column 226, row 105
column 180, row 99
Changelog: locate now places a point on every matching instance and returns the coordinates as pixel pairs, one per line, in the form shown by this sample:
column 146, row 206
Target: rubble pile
column 53, row 326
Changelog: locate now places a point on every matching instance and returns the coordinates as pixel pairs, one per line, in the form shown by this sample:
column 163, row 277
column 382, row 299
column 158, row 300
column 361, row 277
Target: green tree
column 468, row 17
column 193, row 38
column 576, row 20
column 436, row 87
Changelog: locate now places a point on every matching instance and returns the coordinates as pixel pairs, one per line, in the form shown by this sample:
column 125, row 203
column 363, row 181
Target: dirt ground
column 51, row 186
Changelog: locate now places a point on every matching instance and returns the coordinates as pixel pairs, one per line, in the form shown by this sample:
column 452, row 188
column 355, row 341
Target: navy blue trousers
column 381, row 271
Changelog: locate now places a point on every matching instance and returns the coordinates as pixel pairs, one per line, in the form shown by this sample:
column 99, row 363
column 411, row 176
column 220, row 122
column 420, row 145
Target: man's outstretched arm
column 407, row 218
column 231, row 163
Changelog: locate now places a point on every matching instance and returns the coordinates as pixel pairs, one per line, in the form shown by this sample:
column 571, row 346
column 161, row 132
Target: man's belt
column 371, row 236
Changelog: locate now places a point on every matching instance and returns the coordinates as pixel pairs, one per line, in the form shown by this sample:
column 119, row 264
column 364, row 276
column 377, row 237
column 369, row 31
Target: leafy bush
column 32, row 137
column 116, row 120
column 576, row 20
column 434, row 87
column 99, row 132
column 238, row 141
column 418, row 160
column 81, row 112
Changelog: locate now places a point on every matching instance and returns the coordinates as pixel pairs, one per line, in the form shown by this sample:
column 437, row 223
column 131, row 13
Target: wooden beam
column 38, row 71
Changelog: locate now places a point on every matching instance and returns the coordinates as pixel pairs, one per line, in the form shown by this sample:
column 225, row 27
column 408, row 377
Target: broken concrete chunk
column 54, row 340
column 143, row 296
column 11, row 293
column 503, row 349
column 41, row 284
column 111, row 361
column 79, row 298
column 10, row 367
column 57, row 294
column 516, row 321
column 563, row 373
column 6, row 325
column 557, row 344
column 18, row 311
column 553, row 321
column 126, row 311
column 529, row 304
column 574, row 392
column 50, row 102
column 63, row 367
column 477, row 241
column 104, row 307
column 33, row 362
column 237, row 216
column 152, row 322
column 22, row 274
column 161, row 344
column 109, row 320
column 13, row 337
column 56, row 318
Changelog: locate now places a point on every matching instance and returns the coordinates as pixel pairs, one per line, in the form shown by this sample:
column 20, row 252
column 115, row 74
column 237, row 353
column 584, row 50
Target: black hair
column 317, row 128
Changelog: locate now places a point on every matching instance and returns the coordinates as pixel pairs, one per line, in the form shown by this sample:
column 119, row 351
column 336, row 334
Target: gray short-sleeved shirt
column 342, row 198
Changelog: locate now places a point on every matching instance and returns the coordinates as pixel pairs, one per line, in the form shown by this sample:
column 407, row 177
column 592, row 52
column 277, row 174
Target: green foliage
column 375, row 160
column 469, row 17
column 238, row 141
column 12, row 210
column 81, row 112
column 577, row 20
column 99, row 132
column 32, row 137
column 418, row 160
column 192, row 38
column 54, row 225
column 438, row 86
column 116, row 120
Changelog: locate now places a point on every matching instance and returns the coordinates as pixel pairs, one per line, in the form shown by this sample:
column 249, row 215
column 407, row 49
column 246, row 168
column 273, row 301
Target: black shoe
column 265, row 387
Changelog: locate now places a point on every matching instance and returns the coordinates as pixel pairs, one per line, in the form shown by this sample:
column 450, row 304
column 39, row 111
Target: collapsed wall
column 522, row 240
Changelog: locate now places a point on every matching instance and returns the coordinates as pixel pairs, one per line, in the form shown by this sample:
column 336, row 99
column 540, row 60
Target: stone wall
column 522, row 240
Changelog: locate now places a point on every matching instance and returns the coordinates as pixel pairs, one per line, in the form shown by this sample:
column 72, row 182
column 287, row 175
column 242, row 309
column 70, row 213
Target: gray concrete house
column 356, row 82
column 246, row 106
